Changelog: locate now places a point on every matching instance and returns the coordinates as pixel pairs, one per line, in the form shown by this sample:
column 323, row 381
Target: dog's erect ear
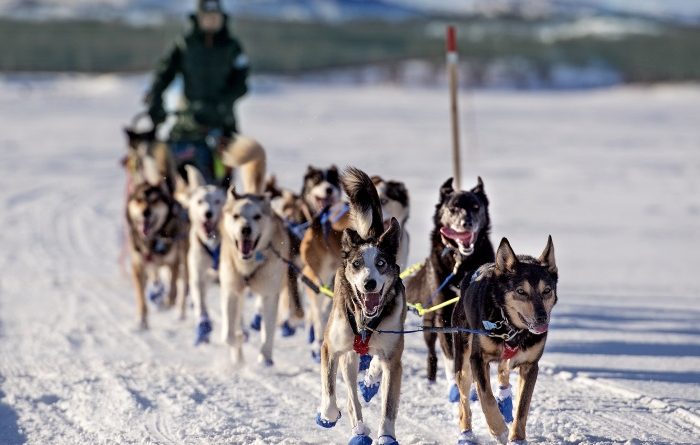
column 547, row 257
column 390, row 239
column 232, row 193
column 505, row 257
column 376, row 180
column 194, row 177
column 479, row 188
column 446, row 189
column 351, row 239
column 182, row 191
column 310, row 169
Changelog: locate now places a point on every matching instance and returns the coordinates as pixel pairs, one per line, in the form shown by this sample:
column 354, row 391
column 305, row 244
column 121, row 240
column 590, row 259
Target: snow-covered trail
column 623, row 357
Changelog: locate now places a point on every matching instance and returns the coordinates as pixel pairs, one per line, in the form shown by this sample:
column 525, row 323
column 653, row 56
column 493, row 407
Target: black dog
column 513, row 299
column 459, row 245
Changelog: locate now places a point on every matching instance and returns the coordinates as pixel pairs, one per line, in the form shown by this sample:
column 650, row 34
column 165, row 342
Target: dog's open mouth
column 209, row 228
column 146, row 227
column 537, row 329
column 464, row 240
column 370, row 303
column 247, row 247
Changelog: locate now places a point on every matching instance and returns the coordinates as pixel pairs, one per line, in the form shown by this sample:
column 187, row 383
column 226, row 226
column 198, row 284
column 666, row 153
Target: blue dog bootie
column 312, row 335
column 325, row 423
column 453, row 395
column 368, row 391
column 360, row 435
column 467, row 438
column 256, row 322
column 505, row 403
column 287, row 329
column 387, row 440
column 203, row 331
column 156, row 292
column 473, row 395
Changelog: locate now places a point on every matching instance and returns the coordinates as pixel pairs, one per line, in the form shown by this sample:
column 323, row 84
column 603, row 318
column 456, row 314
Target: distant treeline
column 293, row 48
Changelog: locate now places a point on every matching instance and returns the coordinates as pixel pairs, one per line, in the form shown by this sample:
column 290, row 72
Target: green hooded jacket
column 214, row 72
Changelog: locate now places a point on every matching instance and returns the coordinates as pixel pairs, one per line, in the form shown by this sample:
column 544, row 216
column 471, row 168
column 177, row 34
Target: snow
column 612, row 174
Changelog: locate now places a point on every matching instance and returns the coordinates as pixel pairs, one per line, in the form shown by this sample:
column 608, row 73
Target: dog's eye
column 384, row 201
column 200, row 202
column 256, row 218
column 475, row 206
column 547, row 291
column 381, row 263
column 236, row 216
column 356, row 264
column 520, row 291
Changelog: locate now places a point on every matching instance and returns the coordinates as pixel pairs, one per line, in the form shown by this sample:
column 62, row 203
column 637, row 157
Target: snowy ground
column 611, row 174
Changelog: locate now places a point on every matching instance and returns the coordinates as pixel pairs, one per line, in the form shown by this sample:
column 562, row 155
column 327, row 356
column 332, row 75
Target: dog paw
column 256, row 322
column 453, row 395
column 387, row 440
column 203, row 331
column 316, row 355
column 505, row 404
column 467, row 438
column 325, row 423
column 502, row 438
column 287, row 329
column 365, row 360
column 267, row 362
column 142, row 325
column 368, row 391
column 517, row 442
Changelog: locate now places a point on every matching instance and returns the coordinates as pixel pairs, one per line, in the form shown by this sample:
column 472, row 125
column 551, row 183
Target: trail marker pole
column 452, row 59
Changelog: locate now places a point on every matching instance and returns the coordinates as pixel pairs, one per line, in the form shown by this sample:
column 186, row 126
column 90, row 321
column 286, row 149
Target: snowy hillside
column 612, row 175
column 332, row 10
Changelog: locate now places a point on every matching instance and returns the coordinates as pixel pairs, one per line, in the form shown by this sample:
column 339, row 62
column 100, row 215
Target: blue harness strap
column 214, row 254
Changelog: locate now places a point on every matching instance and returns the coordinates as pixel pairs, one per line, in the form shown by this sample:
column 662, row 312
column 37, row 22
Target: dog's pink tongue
column 541, row 329
column 372, row 301
column 463, row 237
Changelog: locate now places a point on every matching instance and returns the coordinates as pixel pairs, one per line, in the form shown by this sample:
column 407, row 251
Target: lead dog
column 254, row 243
column 516, row 295
column 369, row 297
column 459, row 245
column 321, row 246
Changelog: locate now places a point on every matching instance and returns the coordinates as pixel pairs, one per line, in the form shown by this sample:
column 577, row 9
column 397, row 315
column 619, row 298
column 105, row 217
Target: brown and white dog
column 515, row 295
column 369, row 298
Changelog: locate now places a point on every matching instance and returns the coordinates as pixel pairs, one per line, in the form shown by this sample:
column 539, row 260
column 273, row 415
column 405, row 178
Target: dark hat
column 209, row 6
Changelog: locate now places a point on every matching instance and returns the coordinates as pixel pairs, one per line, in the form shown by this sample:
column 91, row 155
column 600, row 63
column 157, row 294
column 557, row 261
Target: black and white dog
column 459, row 245
column 369, row 298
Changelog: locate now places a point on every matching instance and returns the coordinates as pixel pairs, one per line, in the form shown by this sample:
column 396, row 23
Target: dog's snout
column 208, row 214
column 370, row 285
column 246, row 231
column 147, row 212
column 329, row 191
column 541, row 318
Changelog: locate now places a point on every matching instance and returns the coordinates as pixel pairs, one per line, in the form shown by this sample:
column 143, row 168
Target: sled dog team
column 338, row 266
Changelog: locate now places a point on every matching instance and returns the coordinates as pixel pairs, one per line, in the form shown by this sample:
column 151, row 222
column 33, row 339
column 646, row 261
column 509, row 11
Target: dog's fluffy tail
column 249, row 155
column 365, row 208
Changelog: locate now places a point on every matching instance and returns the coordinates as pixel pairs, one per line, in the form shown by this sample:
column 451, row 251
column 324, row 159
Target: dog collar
column 362, row 336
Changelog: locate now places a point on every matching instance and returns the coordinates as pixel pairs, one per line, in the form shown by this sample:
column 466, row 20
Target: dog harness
column 214, row 254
